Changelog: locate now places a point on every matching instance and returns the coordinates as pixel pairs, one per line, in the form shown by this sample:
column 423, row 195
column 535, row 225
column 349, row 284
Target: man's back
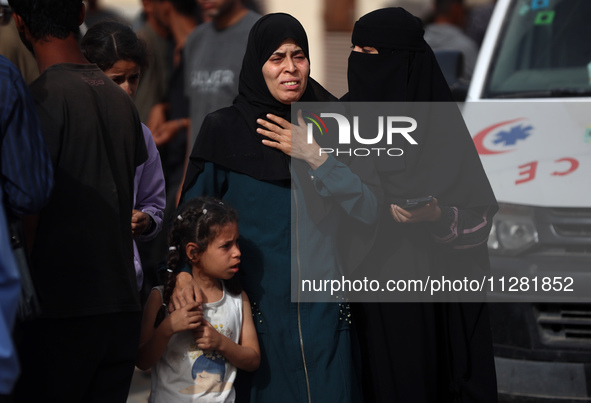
column 83, row 247
column 82, row 256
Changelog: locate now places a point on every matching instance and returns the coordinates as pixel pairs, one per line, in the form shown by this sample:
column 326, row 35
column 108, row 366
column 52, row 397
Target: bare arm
column 153, row 341
column 168, row 130
column 158, row 115
column 246, row 355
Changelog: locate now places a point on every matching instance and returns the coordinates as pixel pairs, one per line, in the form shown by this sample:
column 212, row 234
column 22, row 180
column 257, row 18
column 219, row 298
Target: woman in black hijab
column 306, row 349
column 423, row 352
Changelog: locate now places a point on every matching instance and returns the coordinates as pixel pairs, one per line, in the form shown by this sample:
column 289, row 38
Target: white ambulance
column 529, row 111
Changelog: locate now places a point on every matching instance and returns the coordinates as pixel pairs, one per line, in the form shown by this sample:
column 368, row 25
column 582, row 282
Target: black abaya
column 421, row 352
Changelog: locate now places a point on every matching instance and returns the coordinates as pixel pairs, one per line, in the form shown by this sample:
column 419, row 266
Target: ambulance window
column 544, row 51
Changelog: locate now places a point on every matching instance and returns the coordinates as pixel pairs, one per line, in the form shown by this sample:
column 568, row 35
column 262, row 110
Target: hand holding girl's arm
column 153, row 341
column 186, row 291
column 244, row 355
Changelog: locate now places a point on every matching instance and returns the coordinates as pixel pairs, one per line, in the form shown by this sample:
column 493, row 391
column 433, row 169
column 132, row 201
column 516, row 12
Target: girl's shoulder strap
column 160, row 289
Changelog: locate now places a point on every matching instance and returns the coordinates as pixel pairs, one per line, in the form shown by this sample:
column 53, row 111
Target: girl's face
column 222, row 256
column 286, row 72
column 126, row 75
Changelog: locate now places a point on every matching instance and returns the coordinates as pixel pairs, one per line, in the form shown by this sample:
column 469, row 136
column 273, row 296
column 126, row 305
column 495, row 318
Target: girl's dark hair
column 107, row 42
column 199, row 221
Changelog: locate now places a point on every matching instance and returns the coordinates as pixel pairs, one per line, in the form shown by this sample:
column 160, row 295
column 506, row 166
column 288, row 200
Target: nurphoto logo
column 366, row 135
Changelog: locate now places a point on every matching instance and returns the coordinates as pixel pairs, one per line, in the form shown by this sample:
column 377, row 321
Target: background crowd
column 84, row 162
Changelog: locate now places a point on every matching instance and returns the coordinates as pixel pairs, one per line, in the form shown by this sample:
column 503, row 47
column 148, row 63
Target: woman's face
column 286, row 72
column 126, row 75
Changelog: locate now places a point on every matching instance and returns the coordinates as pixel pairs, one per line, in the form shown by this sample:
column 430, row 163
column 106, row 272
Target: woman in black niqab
column 423, row 352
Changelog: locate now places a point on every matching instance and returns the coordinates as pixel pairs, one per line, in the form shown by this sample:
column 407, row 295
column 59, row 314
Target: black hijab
column 228, row 137
column 254, row 98
column 405, row 70
column 445, row 164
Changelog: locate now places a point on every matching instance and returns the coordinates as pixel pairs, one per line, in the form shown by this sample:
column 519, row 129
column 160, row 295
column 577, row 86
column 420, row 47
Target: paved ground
column 140, row 387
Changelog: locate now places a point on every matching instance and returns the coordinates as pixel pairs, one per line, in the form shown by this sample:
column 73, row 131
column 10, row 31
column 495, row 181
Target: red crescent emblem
column 479, row 138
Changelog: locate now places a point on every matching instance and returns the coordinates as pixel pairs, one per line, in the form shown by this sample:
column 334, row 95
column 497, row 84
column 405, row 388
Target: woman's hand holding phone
column 423, row 209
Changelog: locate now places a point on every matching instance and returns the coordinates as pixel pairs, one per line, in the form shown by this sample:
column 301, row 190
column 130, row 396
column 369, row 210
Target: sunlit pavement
column 140, row 387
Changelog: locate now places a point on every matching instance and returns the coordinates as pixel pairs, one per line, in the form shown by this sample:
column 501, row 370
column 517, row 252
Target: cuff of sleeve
column 446, row 223
column 152, row 228
column 185, row 268
column 323, row 170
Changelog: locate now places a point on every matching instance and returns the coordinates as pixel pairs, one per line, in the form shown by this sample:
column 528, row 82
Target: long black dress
column 423, row 352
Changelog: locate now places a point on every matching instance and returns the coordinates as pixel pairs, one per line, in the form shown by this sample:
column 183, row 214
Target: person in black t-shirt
column 83, row 346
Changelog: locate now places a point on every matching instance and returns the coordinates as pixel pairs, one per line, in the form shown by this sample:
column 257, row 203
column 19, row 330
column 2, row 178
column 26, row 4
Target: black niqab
column 404, row 70
column 445, row 164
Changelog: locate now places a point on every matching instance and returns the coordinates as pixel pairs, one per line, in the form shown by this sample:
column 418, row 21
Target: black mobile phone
column 411, row 204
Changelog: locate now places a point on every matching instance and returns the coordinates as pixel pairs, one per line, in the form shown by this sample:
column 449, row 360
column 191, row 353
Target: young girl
column 194, row 353
column 122, row 56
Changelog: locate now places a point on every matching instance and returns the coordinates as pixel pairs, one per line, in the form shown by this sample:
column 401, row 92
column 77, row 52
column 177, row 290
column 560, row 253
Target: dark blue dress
column 306, row 348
